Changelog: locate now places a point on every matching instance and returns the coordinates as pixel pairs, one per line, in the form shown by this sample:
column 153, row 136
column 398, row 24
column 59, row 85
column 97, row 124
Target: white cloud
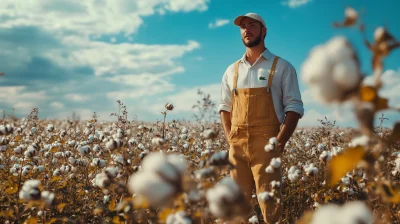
column 145, row 79
column 115, row 59
column 76, row 97
column 91, row 17
column 218, row 23
column 184, row 99
column 82, row 113
column 57, row 105
column 295, row 3
column 24, row 106
column 391, row 87
column 20, row 99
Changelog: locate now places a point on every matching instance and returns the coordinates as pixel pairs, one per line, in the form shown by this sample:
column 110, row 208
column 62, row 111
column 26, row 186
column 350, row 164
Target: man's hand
column 226, row 122
column 288, row 128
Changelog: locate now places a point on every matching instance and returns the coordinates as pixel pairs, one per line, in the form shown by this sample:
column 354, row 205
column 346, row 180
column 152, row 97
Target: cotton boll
column 224, row 199
column 179, row 218
column 397, row 164
column 265, row 196
column 331, row 70
column 184, row 136
column 18, row 150
column 269, row 169
column 253, row 219
column 275, row 184
column 151, row 186
column 269, row 148
column 359, row 141
column 354, row 212
column 48, row 197
column 346, row 181
column 106, row 199
column 339, row 49
column 346, row 74
column 30, row 190
column 318, row 64
column 325, row 156
column 321, row 147
column 323, row 212
column 379, row 33
column 50, row 128
column 276, row 162
column 84, row 150
column 167, row 165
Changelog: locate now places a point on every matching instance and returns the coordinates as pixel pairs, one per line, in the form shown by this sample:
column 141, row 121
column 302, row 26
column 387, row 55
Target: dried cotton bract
column 159, row 179
column 332, row 70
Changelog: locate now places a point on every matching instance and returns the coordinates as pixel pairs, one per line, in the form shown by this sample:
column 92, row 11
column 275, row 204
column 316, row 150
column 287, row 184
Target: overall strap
column 235, row 78
column 271, row 73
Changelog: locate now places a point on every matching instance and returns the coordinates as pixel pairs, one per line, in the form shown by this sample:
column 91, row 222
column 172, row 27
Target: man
column 260, row 99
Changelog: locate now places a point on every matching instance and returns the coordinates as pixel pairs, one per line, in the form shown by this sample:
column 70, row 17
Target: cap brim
column 238, row 19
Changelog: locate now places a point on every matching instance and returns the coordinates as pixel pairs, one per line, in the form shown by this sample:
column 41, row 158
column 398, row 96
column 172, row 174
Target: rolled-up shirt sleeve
column 291, row 91
column 225, row 97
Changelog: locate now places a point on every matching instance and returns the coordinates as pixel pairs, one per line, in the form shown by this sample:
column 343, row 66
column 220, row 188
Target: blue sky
column 68, row 56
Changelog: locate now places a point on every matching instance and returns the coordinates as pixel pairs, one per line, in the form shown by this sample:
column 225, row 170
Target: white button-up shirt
column 285, row 88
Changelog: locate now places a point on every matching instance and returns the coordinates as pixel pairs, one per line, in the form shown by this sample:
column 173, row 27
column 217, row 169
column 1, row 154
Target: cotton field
column 126, row 172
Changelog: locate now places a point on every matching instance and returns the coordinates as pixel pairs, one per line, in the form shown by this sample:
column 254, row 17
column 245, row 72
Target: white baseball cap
column 249, row 15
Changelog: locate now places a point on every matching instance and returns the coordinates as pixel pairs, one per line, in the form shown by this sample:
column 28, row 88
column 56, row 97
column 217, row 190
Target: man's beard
column 253, row 43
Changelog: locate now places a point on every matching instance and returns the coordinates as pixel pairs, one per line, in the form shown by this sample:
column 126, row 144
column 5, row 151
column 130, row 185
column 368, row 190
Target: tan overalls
column 254, row 122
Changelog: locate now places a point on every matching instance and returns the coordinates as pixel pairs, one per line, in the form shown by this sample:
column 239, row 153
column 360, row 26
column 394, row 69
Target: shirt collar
column 266, row 54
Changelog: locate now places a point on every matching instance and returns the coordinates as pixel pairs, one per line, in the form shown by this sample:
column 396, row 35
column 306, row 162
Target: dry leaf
column 112, row 205
column 52, row 220
column 368, row 93
column 163, row 215
column 389, row 193
column 97, row 211
column 55, row 178
column 32, row 220
column 61, row 206
column 62, row 184
column 117, row 220
column 12, row 189
column 55, row 149
column 339, row 165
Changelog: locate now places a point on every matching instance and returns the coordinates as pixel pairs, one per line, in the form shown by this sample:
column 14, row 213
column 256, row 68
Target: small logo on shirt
column 261, row 78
